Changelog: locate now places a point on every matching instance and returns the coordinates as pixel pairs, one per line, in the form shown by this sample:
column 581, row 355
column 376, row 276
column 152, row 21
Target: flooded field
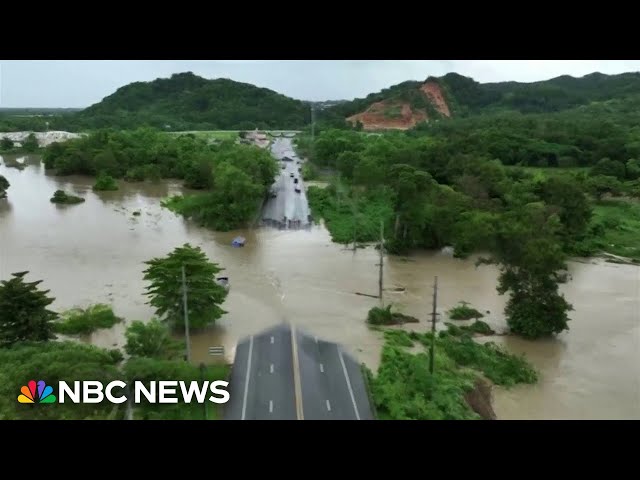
column 94, row 253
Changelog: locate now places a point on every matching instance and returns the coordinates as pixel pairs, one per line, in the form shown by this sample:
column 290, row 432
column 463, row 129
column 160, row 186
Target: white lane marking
column 321, row 368
column 328, row 405
column 346, row 376
column 246, row 382
column 270, row 406
column 271, row 368
column 272, row 339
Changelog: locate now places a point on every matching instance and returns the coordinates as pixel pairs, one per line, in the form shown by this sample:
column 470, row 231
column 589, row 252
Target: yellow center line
column 296, row 375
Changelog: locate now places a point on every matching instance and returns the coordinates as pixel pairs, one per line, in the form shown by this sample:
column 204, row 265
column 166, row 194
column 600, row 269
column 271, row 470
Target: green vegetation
column 30, row 144
column 403, row 388
column 479, row 327
column 309, row 171
column 148, row 369
column 182, row 102
column 234, row 178
column 384, row 316
column 4, row 186
column 6, row 144
column 26, row 326
column 467, row 97
column 105, row 183
column 24, row 315
column 614, row 228
column 463, row 311
column 152, row 339
column 54, row 362
column 62, row 197
column 242, row 177
column 165, row 290
column 83, row 321
column 427, row 199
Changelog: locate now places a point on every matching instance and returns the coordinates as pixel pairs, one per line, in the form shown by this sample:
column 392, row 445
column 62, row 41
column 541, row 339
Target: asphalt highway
column 288, row 204
column 277, row 378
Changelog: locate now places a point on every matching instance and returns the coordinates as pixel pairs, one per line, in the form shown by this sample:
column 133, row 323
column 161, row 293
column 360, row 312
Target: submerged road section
column 288, row 206
column 286, row 374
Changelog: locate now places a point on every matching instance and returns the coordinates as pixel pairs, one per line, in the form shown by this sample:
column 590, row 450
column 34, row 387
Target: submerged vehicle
column 223, row 282
column 238, row 242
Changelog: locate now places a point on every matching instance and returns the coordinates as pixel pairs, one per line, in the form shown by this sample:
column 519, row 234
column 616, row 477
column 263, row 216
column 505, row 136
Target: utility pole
column 433, row 326
column 186, row 313
column 381, row 262
column 354, row 208
column 313, row 124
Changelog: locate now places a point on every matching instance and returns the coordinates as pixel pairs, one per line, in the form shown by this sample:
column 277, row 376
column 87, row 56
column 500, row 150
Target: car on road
column 283, row 166
column 295, row 180
column 299, row 170
column 291, row 174
column 297, row 189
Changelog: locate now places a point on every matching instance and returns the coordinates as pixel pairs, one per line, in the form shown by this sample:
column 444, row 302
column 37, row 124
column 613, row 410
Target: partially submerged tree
column 151, row 339
column 4, row 185
column 529, row 252
column 23, row 311
column 6, row 143
column 204, row 294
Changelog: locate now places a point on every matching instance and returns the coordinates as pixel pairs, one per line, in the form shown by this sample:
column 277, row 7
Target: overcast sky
column 80, row 83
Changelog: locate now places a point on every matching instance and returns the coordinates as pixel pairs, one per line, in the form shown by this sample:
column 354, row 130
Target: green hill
column 405, row 105
column 189, row 102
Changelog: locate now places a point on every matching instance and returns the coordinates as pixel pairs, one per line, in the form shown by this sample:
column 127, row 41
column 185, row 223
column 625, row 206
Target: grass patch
column 80, row 321
column 614, row 229
column 384, row 316
column 61, row 197
column 621, row 220
column 404, row 389
column 463, row 311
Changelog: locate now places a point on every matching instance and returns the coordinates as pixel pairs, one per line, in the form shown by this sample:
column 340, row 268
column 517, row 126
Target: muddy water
column 94, row 252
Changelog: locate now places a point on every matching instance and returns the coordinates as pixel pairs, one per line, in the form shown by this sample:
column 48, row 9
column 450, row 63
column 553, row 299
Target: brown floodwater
column 94, row 253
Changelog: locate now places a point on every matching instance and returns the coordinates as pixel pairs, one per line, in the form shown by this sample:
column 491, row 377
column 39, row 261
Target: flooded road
column 94, row 252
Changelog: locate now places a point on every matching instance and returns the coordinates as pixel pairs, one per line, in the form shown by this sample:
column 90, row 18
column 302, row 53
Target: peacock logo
column 36, row 392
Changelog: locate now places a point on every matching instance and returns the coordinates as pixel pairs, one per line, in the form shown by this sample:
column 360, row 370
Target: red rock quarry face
column 376, row 117
column 434, row 93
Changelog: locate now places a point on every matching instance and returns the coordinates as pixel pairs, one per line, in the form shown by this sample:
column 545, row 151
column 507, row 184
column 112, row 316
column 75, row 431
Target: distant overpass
column 285, row 374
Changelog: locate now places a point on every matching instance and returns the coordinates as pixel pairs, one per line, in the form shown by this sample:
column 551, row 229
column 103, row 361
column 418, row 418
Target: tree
column 528, row 249
column 30, row 143
column 6, row 143
column 203, row 293
column 23, row 311
column 573, row 205
column 608, row 167
column 633, row 169
column 4, row 185
column 600, row 185
column 151, row 340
